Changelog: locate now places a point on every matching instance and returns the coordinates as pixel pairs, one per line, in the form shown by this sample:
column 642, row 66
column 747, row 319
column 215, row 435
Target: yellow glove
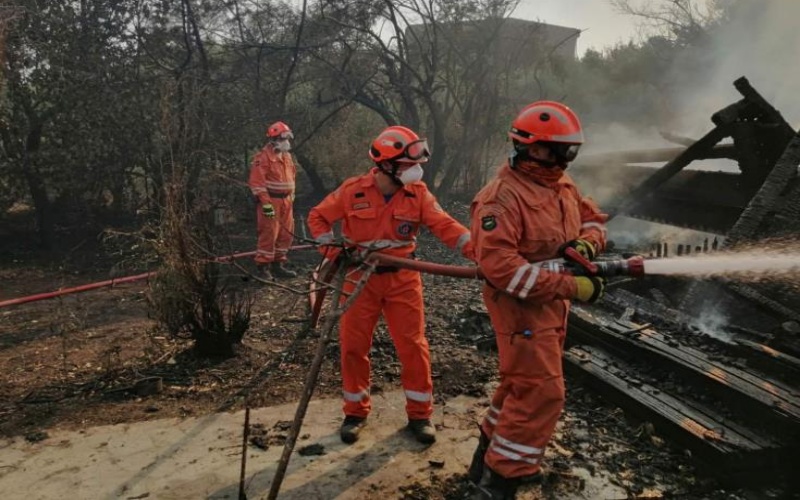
column 268, row 210
column 583, row 247
column 589, row 289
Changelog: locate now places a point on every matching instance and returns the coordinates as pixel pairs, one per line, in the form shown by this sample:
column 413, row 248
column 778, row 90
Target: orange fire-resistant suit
column 516, row 223
column 368, row 220
column 272, row 177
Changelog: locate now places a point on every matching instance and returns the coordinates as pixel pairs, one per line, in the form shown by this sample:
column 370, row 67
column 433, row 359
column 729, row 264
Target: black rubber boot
column 279, row 270
column 351, row 428
column 475, row 471
column 423, row 430
column 493, row 486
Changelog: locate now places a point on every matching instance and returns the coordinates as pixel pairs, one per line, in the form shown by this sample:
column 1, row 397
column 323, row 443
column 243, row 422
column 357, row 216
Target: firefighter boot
column 264, row 272
column 475, row 471
column 351, row 427
column 279, row 270
column 423, row 430
column 493, row 486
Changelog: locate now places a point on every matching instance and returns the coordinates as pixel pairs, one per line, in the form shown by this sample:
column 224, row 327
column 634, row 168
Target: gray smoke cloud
column 762, row 42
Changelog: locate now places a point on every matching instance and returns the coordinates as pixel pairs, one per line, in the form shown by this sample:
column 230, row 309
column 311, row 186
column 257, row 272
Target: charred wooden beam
column 746, row 227
column 759, row 400
column 720, row 151
column 687, row 214
column 677, row 139
column 721, row 446
column 789, row 365
column 641, row 193
column 767, row 196
column 683, row 201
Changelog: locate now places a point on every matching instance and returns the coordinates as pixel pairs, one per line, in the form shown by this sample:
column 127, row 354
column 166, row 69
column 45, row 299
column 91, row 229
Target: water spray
column 743, row 266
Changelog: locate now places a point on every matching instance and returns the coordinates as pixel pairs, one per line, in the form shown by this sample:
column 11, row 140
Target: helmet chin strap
column 392, row 174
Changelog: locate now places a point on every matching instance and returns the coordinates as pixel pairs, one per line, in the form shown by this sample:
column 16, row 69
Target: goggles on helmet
column 414, row 152
column 563, row 150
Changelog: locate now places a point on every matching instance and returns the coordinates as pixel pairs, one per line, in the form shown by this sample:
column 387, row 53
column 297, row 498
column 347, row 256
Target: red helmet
column 279, row 130
column 401, row 144
column 548, row 121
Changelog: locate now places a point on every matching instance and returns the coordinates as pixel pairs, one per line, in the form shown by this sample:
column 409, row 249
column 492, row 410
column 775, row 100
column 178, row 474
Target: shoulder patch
column 488, row 222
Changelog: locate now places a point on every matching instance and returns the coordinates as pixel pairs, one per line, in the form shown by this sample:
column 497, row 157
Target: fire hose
column 118, row 281
column 573, row 263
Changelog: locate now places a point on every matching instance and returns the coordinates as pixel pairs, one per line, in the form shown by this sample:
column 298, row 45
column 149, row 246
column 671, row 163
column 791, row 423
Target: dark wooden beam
column 721, row 446
column 665, row 173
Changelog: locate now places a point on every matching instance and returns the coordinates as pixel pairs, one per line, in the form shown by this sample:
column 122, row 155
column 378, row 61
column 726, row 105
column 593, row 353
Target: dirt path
column 200, row 458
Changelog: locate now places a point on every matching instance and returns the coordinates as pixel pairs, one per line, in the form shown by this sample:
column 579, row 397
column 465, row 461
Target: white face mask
column 283, row 146
column 410, row 175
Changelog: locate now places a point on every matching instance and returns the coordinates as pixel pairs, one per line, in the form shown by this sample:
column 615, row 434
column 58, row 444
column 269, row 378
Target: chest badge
column 405, row 228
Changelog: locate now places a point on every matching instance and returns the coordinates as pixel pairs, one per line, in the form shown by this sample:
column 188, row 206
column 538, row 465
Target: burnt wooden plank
column 771, row 358
column 663, row 174
column 711, row 437
column 761, row 400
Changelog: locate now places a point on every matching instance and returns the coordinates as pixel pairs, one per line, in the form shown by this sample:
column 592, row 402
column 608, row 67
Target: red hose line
column 469, row 272
column 117, row 281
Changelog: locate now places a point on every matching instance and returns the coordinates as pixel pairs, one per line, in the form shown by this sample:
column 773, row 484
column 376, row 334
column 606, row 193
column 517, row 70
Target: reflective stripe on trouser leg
column 283, row 240
column 533, row 384
column 267, row 233
column 355, row 338
column 493, row 412
column 403, row 310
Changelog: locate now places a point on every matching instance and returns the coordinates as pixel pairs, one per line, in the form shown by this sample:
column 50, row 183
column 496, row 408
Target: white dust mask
column 283, row 145
column 410, row 175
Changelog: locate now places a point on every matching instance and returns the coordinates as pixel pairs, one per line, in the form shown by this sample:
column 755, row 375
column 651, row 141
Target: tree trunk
column 38, row 191
column 316, row 181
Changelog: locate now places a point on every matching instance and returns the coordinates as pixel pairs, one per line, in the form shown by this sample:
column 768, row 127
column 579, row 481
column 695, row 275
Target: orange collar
column 509, row 173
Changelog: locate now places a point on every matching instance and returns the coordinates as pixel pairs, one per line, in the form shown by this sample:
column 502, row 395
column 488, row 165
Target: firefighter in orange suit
column 272, row 177
column 383, row 210
column 529, row 213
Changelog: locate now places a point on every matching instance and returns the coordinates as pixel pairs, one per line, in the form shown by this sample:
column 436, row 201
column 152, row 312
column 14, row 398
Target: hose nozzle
column 633, row 267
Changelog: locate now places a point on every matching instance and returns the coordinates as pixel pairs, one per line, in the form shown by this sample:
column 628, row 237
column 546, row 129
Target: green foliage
column 103, row 100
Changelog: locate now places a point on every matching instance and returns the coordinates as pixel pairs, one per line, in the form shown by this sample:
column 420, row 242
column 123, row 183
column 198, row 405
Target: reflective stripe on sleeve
column 597, row 225
column 462, row 240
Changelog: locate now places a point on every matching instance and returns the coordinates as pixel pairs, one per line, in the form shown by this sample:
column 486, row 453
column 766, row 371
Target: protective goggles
column 284, row 136
column 414, row 152
column 562, row 150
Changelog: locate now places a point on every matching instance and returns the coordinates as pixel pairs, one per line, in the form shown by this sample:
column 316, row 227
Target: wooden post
column 245, row 436
column 313, row 374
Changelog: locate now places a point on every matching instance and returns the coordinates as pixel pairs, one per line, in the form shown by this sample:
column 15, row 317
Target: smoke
column 609, row 137
column 638, row 235
column 712, row 322
column 760, row 41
